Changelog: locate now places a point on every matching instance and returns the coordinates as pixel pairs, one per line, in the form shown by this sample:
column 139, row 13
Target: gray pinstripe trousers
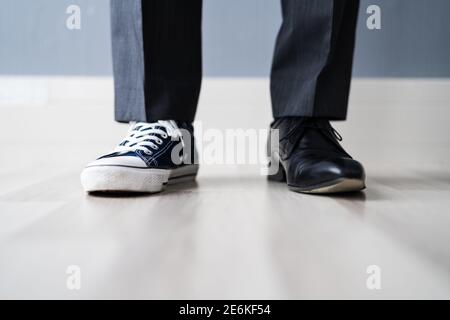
column 158, row 65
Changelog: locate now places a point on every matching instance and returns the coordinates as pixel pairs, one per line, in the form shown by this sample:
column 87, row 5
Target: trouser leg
column 313, row 58
column 157, row 59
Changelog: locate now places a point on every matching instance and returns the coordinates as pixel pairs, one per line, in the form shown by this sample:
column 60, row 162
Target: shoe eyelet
column 148, row 152
column 164, row 136
column 154, row 147
column 159, row 141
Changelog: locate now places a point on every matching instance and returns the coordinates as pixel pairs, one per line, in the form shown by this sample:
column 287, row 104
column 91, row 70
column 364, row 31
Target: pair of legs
column 158, row 72
column 157, row 58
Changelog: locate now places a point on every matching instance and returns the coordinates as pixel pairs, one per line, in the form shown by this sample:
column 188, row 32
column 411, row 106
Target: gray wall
column 238, row 38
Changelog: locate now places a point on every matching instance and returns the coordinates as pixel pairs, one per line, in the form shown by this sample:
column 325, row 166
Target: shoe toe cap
column 344, row 168
column 328, row 170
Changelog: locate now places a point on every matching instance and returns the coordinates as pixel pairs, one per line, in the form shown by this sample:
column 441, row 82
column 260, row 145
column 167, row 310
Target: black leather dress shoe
column 311, row 160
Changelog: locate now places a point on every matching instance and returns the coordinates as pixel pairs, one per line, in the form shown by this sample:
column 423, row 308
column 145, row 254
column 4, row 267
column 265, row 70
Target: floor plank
column 232, row 234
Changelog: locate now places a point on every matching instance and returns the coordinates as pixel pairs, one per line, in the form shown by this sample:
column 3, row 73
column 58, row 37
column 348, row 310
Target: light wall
column 238, row 38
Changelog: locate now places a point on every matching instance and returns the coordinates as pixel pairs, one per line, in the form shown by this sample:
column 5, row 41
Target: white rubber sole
column 130, row 179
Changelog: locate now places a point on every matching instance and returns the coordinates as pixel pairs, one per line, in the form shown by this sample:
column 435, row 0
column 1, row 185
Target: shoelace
column 297, row 132
column 146, row 136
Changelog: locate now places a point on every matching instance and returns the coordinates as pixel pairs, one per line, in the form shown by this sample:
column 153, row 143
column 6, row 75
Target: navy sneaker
column 151, row 155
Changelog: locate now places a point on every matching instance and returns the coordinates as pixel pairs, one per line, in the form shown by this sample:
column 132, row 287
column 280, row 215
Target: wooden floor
column 232, row 234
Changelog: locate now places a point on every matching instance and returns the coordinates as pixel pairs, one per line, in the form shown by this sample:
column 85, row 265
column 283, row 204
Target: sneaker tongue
column 168, row 124
column 165, row 125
